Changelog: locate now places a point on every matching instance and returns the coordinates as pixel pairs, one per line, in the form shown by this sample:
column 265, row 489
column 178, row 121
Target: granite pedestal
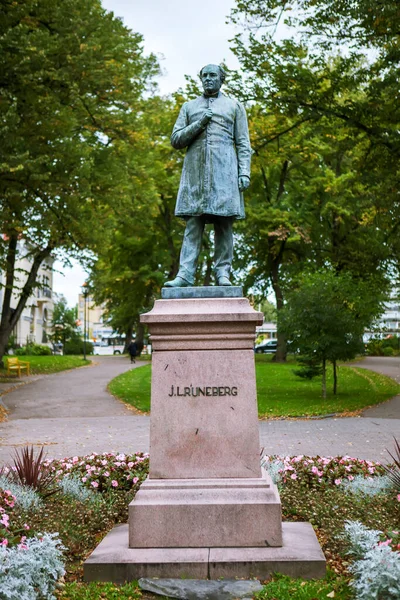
column 206, row 510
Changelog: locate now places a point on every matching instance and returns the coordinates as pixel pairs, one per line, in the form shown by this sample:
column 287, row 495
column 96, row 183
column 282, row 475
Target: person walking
column 132, row 349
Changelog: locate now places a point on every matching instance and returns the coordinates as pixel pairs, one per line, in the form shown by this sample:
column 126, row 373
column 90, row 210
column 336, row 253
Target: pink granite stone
column 299, row 556
column 204, row 421
column 207, row 512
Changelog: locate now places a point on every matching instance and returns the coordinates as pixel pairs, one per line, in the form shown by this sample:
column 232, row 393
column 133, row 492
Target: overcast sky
column 185, row 35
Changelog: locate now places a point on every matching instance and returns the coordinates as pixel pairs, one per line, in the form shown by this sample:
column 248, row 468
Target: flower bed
column 95, row 491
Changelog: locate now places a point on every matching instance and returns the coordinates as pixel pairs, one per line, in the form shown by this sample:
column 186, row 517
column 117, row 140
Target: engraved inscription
column 190, row 390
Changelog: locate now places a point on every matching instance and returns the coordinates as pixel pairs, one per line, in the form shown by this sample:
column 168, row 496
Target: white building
column 34, row 324
column 389, row 322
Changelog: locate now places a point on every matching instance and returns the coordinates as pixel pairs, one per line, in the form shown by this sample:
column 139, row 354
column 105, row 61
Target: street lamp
column 85, row 295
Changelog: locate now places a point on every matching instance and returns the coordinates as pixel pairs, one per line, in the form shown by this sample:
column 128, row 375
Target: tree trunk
column 281, row 350
column 335, row 369
column 324, row 378
column 9, row 317
column 139, row 338
column 128, row 338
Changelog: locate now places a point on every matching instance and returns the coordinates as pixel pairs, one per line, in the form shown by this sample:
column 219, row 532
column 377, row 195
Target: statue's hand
column 244, row 183
column 207, row 115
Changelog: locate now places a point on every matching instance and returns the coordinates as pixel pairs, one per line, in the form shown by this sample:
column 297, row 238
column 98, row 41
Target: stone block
column 300, row 556
column 206, row 513
column 113, row 560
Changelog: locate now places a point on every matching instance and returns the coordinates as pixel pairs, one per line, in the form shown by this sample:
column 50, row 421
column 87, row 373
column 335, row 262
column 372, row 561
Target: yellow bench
column 14, row 364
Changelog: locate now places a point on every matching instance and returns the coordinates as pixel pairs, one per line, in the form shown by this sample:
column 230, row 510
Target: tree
column 64, row 323
column 72, row 83
column 326, row 315
column 326, row 138
column 140, row 248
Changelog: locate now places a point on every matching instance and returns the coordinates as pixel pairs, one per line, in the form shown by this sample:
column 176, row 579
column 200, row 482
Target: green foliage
column 310, row 367
column 75, row 346
column 389, row 346
column 279, row 392
column 33, row 350
column 54, row 364
column 71, row 96
column 324, row 126
column 140, row 245
column 64, row 323
column 326, row 315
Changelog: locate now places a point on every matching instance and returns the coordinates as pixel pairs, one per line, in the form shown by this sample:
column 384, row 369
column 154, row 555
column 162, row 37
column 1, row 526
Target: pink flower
column 84, row 479
column 350, row 477
column 5, row 520
column 94, row 484
column 4, row 542
column 106, row 474
column 338, row 481
column 398, row 497
column 114, row 483
column 293, row 476
column 130, row 464
column 26, row 526
column 135, row 480
column 387, row 543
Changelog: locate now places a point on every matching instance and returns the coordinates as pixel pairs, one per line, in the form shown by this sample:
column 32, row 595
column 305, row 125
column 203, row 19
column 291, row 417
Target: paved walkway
column 72, row 414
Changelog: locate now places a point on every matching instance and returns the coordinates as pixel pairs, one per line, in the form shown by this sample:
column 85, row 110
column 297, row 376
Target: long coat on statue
column 216, row 156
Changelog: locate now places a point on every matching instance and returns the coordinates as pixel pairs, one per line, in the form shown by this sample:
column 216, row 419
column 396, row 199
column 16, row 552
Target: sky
column 185, row 35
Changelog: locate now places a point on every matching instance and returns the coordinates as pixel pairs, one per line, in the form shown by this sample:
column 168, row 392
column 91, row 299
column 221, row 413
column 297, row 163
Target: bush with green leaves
column 75, row 346
column 310, row 367
column 31, row 570
column 33, row 350
column 389, row 346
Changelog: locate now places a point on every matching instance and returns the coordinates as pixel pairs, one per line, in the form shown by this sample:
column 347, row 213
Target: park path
column 386, row 365
column 71, row 413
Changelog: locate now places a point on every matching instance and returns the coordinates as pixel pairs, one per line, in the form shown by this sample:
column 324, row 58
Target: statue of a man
column 215, row 173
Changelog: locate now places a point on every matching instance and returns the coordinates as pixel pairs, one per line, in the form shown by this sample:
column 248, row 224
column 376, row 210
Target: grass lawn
column 280, row 392
column 47, row 364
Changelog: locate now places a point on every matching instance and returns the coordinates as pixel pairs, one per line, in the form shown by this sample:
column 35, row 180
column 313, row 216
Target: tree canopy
column 72, row 83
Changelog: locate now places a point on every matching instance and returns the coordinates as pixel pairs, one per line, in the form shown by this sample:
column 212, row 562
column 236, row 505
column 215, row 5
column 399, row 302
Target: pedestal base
column 196, row 513
column 299, row 556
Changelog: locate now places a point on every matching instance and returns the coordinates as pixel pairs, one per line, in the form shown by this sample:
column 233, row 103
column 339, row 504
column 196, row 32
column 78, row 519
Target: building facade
column 34, row 325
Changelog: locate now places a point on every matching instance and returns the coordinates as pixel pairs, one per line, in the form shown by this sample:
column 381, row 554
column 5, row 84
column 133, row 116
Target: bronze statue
column 215, row 173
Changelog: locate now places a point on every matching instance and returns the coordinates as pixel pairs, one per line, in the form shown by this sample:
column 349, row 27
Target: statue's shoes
column 224, row 280
column 177, row 282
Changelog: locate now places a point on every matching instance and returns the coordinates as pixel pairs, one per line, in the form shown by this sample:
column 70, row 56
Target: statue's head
column 212, row 77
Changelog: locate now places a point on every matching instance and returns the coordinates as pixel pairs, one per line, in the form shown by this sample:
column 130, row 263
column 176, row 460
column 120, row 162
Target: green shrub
column 33, row 350
column 389, row 346
column 75, row 346
column 388, row 351
column 310, row 367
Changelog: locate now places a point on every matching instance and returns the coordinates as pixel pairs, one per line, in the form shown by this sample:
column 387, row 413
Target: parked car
column 267, row 347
